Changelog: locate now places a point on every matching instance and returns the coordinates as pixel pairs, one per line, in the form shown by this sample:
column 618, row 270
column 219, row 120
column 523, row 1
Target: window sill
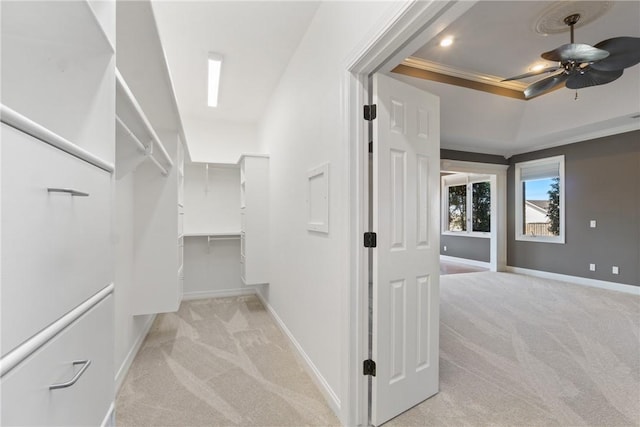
column 466, row 234
column 540, row 239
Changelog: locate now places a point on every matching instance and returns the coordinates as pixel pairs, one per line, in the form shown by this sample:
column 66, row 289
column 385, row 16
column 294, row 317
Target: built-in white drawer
column 27, row 399
column 55, row 244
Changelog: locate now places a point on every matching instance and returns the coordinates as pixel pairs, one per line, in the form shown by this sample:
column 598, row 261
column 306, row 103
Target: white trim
column 24, row 124
column 410, row 26
column 18, row 354
column 321, row 382
column 423, row 64
column 221, row 293
column 128, row 360
column 465, row 261
column 467, row 180
column 109, row 419
column 583, row 281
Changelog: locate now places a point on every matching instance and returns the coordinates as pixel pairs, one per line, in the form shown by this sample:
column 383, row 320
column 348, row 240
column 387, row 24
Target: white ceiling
column 255, row 38
column 496, row 38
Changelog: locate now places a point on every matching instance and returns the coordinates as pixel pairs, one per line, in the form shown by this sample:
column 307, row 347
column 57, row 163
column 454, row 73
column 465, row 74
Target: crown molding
column 435, row 67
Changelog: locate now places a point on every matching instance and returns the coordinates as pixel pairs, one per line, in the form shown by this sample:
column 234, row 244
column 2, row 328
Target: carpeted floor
column 219, row 362
column 448, row 267
column 514, row 351
column 522, row 351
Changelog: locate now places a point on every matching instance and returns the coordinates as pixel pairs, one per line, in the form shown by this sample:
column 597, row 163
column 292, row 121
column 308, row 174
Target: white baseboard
column 584, row 281
column 126, row 364
column 319, row 380
column 465, row 261
column 247, row 290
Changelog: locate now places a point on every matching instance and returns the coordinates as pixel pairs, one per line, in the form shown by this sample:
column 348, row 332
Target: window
column 466, row 204
column 540, row 200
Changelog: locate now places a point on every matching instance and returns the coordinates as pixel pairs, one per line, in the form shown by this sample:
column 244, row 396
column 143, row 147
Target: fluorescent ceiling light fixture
column 215, row 64
column 446, row 42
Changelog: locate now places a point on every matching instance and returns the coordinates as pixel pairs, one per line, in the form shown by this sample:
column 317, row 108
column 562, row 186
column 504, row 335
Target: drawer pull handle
column 85, row 364
column 68, row 191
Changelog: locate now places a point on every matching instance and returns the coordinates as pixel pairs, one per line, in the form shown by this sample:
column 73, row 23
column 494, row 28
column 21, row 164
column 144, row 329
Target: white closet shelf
column 224, row 234
column 154, row 139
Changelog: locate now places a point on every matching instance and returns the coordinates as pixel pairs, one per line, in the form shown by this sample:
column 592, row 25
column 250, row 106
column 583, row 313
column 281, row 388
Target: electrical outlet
column 592, row 223
column 615, row 270
column 592, row 267
column 445, row 249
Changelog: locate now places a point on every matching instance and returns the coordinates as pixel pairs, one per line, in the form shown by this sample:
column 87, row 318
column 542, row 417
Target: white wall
column 219, row 141
column 212, row 206
column 212, row 270
column 303, row 128
column 129, row 330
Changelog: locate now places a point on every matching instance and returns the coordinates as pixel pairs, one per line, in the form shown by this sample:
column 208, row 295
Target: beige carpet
column 515, row 351
column 521, row 351
column 219, row 362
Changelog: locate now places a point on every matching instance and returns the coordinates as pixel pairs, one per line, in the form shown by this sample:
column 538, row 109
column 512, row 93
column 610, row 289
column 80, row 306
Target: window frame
column 519, row 202
column 455, row 180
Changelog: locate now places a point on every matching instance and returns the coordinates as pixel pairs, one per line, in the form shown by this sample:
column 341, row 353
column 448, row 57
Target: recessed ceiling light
column 446, row 42
column 215, row 64
column 537, row 67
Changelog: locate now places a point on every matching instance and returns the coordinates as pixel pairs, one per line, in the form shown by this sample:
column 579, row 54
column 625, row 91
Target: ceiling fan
column 581, row 65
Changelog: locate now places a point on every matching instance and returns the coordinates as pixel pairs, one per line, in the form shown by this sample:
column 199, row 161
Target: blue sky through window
column 537, row 189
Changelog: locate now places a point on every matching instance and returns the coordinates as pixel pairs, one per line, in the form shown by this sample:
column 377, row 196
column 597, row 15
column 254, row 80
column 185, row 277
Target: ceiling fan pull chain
column 576, row 97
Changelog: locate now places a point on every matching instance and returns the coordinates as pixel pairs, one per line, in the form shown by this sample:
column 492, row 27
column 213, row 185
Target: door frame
column 411, row 25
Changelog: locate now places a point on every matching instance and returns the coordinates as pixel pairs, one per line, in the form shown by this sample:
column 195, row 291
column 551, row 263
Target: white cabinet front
column 56, row 217
column 78, row 363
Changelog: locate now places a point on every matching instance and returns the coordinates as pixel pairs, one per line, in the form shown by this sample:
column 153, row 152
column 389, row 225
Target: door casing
column 413, row 24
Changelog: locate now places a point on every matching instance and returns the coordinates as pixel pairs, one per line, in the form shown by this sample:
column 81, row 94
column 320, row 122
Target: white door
column 406, row 176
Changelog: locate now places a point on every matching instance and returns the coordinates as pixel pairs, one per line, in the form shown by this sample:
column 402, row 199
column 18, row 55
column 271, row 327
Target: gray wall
column 602, row 181
column 475, row 248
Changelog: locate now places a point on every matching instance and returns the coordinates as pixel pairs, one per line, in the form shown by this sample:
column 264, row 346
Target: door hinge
column 369, row 367
column 370, row 239
column 371, row 146
column 370, row 112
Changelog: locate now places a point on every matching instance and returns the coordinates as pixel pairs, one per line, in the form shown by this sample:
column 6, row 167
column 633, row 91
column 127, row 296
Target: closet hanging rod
column 141, row 146
column 132, row 100
column 133, row 137
column 18, row 121
column 213, row 238
column 157, row 163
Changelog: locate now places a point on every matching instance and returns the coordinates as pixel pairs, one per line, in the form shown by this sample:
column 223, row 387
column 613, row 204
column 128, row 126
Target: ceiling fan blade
column 576, row 52
column 541, row 86
column 624, row 52
column 533, row 73
column 592, row 77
